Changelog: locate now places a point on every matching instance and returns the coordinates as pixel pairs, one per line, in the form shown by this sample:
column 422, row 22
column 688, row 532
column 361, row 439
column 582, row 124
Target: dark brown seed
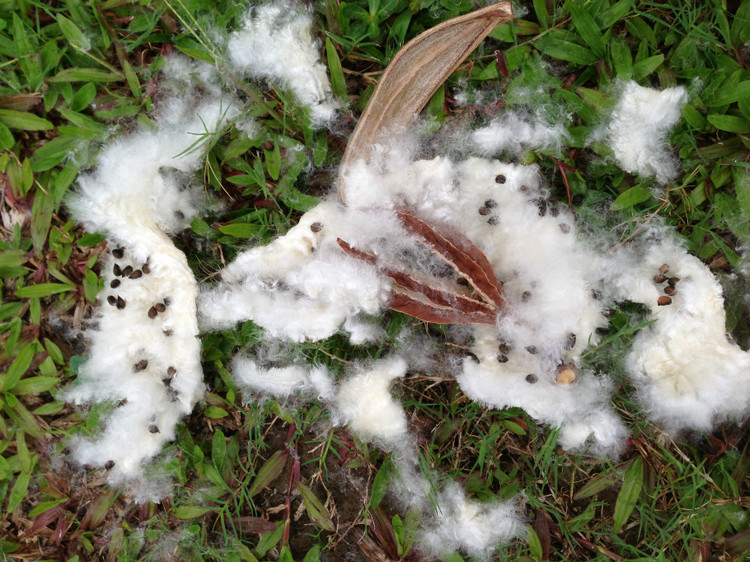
column 152, row 312
column 115, row 283
column 531, row 349
column 146, row 269
column 116, row 270
column 596, row 295
column 141, row 365
column 171, row 371
column 490, row 203
column 673, row 281
column 111, row 299
column 121, row 403
column 669, row 290
column 127, row 271
column 118, row 253
column 663, row 300
column 462, row 281
column 504, row 348
column 541, row 205
column 316, row 227
column 136, row 274
column 160, row 307
column 531, row 379
column 153, row 429
column 168, row 332
column 493, row 220
column 500, row 178
column 120, row 303
column 526, row 296
column 554, row 211
column 502, row 358
column 564, row 228
column 663, row 268
column 484, row 211
column 109, row 465
column 659, row 278
column 571, row 342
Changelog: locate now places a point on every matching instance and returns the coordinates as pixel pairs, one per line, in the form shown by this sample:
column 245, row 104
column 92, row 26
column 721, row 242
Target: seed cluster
column 671, row 285
column 123, row 273
column 487, row 209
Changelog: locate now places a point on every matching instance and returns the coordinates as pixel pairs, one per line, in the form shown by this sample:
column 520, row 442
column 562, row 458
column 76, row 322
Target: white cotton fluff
column 515, row 132
column 365, row 404
column 472, row 527
column 638, row 127
column 687, row 372
column 276, row 43
column 145, row 361
column 280, row 382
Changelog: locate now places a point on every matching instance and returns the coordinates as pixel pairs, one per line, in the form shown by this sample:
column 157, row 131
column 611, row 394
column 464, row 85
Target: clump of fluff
column 144, row 361
column 472, row 527
column 638, row 127
column 276, row 43
column 688, row 373
column 280, row 382
column 515, row 132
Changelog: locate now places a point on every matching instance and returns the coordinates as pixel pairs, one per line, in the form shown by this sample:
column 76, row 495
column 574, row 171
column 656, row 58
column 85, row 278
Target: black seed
column 526, row 296
column 504, row 348
column 669, row 290
column 502, row 358
column 116, row 270
column 171, row 371
column 493, row 220
column 153, row 429
column 146, row 269
column 167, row 301
column 179, row 214
column 663, row 268
column 141, row 365
column 118, row 253
column 316, row 227
column 564, row 228
column 120, row 303
column 490, row 203
column 571, row 341
column 121, row 403
column 109, row 465
column 500, row 178
column 484, row 211
column 115, row 283
column 531, row 349
column 136, row 274
column 152, row 312
column 160, row 307
column 531, row 379
column 673, row 281
column 663, row 300
column 659, row 278
column 127, row 271
column 168, row 332
column 111, row 299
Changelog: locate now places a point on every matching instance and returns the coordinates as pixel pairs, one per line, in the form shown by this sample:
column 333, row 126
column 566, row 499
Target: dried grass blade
column 462, row 255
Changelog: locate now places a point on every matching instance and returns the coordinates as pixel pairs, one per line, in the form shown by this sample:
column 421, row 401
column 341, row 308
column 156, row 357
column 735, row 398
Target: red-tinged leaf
column 541, row 526
column 429, row 312
column 461, row 254
column 256, row 525
column 738, row 544
column 43, row 520
column 97, row 510
column 61, row 529
column 384, row 534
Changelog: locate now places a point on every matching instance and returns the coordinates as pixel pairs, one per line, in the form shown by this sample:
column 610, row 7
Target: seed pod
column 531, row 378
column 118, row 253
column 500, row 178
column 152, row 312
column 659, row 278
column 663, row 268
column 127, row 271
column 141, row 365
column 566, row 373
column 111, row 299
column 109, row 465
column 114, row 283
column 120, row 303
column 160, row 307
column 669, row 290
column 484, row 211
column 136, row 274
column 664, row 300
column 490, row 203
column 493, row 220
column 316, row 227
column 116, row 270
column 153, row 428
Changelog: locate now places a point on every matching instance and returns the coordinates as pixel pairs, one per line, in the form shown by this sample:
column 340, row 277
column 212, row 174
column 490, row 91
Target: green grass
column 73, row 74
